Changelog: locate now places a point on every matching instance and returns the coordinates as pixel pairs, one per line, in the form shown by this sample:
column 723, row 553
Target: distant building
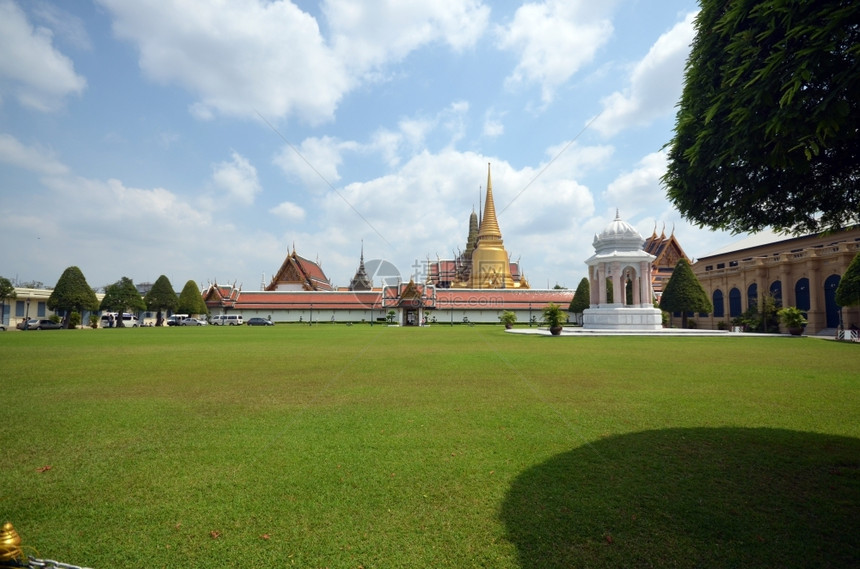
column 33, row 303
column 484, row 264
column 667, row 252
column 798, row 271
column 477, row 286
column 298, row 273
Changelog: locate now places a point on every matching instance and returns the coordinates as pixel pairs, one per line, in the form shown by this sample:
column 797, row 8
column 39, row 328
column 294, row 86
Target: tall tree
column 848, row 291
column 72, row 293
column 581, row 299
column 161, row 297
column 122, row 296
column 7, row 292
column 767, row 132
column 191, row 301
column 684, row 293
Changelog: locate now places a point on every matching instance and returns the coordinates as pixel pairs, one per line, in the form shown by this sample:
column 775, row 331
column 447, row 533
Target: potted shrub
column 554, row 317
column 508, row 318
column 792, row 318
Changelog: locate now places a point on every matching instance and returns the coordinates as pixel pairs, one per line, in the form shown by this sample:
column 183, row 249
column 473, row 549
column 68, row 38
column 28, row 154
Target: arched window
column 830, row 306
column 776, row 293
column 752, row 295
column 719, row 310
column 801, row 294
column 735, row 303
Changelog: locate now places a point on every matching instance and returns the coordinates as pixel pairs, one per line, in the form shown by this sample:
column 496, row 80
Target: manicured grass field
column 358, row 446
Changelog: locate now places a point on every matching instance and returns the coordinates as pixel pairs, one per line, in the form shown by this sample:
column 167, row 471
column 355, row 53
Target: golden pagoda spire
column 489, row 223
column 491, row 267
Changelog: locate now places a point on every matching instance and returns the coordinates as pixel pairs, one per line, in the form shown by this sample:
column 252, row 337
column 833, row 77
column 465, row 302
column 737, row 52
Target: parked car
column 42, row 324
column 192, row 322
column 258, row 321
column 176, row 319
column 2, row 327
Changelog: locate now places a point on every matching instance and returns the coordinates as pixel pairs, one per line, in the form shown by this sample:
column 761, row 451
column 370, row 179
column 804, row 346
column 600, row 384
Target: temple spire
column 361, row 281
column 489, row 223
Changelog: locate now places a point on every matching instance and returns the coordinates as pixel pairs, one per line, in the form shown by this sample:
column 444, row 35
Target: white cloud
column 237, row 179
column 655, row 83
column 239, row 58
column 315, row 161
column 288, row 211
column 493, row 125
column 110, row 229
column 414, row 130
column 553, row 40
column 369, row 34
column 38, row 75
column 33, row 159
column 253, row 56
column 639, row 190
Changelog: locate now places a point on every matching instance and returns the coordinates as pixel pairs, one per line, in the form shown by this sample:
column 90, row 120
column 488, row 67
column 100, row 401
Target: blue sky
column 203, row 140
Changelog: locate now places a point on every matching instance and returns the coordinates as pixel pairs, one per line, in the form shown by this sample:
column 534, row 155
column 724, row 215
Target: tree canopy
column 161, row 297
column 684, row 293
column 848, row 291
column 7, row 292
column 190, row 300
column 767, row 132
column 581, row 298
column 72, row 293
column 122, row 296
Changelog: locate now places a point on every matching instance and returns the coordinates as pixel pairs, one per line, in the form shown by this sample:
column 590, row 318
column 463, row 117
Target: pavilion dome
column 618, row 236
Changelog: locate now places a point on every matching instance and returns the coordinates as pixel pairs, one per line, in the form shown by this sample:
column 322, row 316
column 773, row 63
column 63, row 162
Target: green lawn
column 358, row 446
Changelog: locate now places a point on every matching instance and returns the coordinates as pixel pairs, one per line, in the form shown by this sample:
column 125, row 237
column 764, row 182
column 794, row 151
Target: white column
column 601, row 284
column 593, row 292
column 637, row 288
column 645, row 283
column 618, row 285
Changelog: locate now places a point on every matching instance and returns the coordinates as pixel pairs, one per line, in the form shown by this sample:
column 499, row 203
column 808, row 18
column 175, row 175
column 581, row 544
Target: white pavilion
column 619, row 258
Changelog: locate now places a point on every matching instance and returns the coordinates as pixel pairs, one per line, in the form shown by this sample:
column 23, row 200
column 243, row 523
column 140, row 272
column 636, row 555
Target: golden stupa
column 490, row 263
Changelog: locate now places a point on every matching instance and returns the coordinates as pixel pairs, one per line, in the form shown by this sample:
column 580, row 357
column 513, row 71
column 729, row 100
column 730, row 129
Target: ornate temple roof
column 361, row 281
column 298, row 273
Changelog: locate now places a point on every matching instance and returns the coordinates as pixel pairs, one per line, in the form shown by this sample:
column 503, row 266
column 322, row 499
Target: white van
column 231, row 320
column 128, row 320
column 226, row 320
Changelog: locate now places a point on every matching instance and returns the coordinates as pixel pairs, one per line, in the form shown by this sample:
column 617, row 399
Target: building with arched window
column 797, row 271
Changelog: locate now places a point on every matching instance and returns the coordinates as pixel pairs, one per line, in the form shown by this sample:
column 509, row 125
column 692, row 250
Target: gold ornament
column 10, row 544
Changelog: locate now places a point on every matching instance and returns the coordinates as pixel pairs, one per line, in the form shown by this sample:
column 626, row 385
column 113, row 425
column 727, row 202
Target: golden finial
column 10, row 544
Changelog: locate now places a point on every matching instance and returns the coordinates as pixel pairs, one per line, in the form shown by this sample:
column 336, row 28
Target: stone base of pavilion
column 574, row 331
column 618, row 317
column 619, row 320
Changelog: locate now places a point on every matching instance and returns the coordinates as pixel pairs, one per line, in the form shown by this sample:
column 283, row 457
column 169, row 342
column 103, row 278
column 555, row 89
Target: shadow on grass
column 721, row 497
